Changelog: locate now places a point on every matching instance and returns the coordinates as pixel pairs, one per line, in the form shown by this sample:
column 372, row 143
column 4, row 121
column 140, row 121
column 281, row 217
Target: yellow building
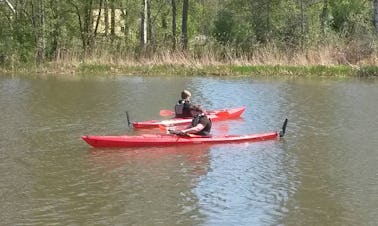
column 119, row 26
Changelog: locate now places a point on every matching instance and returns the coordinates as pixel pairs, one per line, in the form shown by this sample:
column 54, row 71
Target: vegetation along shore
column 232, row 37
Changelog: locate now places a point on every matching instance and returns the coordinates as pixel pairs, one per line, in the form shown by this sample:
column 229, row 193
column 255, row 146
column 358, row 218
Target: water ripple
column 322, row 173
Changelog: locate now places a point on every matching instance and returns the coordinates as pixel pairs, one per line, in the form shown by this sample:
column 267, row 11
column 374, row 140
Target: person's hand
column 182, row 133
column 177, row 132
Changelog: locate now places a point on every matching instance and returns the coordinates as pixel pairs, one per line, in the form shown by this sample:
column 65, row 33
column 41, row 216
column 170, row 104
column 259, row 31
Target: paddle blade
column 283, row 131
column 128, row 119
column 166, row 113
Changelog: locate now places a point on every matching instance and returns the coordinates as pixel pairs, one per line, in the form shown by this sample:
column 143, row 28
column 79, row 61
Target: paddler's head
column 185, row 94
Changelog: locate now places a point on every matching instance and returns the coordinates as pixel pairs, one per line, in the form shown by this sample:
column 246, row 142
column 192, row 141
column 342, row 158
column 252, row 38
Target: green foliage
column 223, row 26
column 292, row 70
column 6, row 39
column 94, row 68
column 45, row 30
column 367, row 71
column 346, row 14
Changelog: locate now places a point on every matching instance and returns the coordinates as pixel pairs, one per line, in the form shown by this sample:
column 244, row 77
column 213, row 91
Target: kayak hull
column 215, row 115
column 171, row 139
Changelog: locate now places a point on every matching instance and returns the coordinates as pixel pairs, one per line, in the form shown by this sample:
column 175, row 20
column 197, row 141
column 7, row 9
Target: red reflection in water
column 194, row 155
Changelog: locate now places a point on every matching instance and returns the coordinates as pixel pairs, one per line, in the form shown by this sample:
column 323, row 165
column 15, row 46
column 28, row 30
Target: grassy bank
column 325, row 61
column 199, row 70
column 227, row 70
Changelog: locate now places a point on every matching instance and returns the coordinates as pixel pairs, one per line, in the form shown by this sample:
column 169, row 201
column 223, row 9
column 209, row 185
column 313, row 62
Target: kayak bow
column 172, row 139
column 214, row 115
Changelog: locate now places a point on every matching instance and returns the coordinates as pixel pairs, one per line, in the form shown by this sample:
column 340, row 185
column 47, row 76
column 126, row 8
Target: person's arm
column 195, row 129
column 188, row 129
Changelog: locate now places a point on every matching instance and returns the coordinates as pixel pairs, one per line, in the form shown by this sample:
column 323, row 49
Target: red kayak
column 215, row 115
column 172, row 139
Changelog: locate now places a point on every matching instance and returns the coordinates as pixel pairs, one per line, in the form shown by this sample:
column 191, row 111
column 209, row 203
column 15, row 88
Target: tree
column 112, row 20
column 10, row 6
column 323, row 17
column 184, row 27
column 223, row 26
column 83, row 11
column 150, row 26
column 143, row 24
column 106, row 17
column 376, row 15
column 173, row 2
column 36, row 31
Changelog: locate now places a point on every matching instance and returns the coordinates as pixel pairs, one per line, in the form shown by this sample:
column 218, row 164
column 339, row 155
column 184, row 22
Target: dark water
column 324, row 172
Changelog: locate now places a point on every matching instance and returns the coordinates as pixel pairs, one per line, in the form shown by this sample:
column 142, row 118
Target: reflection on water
column 322, row 173
column 248, row 184
column 152, row 183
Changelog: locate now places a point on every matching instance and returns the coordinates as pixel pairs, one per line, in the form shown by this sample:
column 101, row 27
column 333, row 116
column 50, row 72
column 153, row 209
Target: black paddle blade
column 128, row 119
column 283, row 131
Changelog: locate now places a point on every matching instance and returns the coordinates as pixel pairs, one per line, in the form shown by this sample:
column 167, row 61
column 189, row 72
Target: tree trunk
column 323, row 17
column 88, row 23
column 149, row 26
column 106, row 17
column 145, row 20
column 376, row 15
column 53, row 42
column 303, row 23
column 112, row 20
column 82, row 33
column 143, row 24
column 38, row 23
column 174, row 24
column 184, row 27
column 10, row 6
column 85, row 23
column 98, row 18
column 267, row 21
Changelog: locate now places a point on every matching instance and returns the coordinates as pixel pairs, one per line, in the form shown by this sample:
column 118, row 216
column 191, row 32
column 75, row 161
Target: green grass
column 367, row 71
column 93, row 68
column 208, row 70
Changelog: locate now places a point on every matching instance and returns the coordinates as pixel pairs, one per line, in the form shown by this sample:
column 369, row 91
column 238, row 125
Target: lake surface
column 324, row 172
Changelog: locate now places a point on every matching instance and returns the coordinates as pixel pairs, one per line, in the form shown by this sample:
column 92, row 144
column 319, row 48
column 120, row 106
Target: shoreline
column 200, row 70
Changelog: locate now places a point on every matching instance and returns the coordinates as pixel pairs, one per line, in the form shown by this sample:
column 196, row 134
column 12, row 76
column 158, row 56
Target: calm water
column 324, row 172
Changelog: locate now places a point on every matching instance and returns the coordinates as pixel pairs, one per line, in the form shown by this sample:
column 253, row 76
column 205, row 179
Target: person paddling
column 201, row 123
column 184, row 105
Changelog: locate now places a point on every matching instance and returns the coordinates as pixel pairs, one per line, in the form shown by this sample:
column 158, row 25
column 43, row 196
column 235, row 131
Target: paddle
column 128, row 119
column 221, row 114
column 165, row 128
column 283, row 131
column 166, row 113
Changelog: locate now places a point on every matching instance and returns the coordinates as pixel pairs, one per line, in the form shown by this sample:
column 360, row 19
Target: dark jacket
column 205, row 121
column 183, row 109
